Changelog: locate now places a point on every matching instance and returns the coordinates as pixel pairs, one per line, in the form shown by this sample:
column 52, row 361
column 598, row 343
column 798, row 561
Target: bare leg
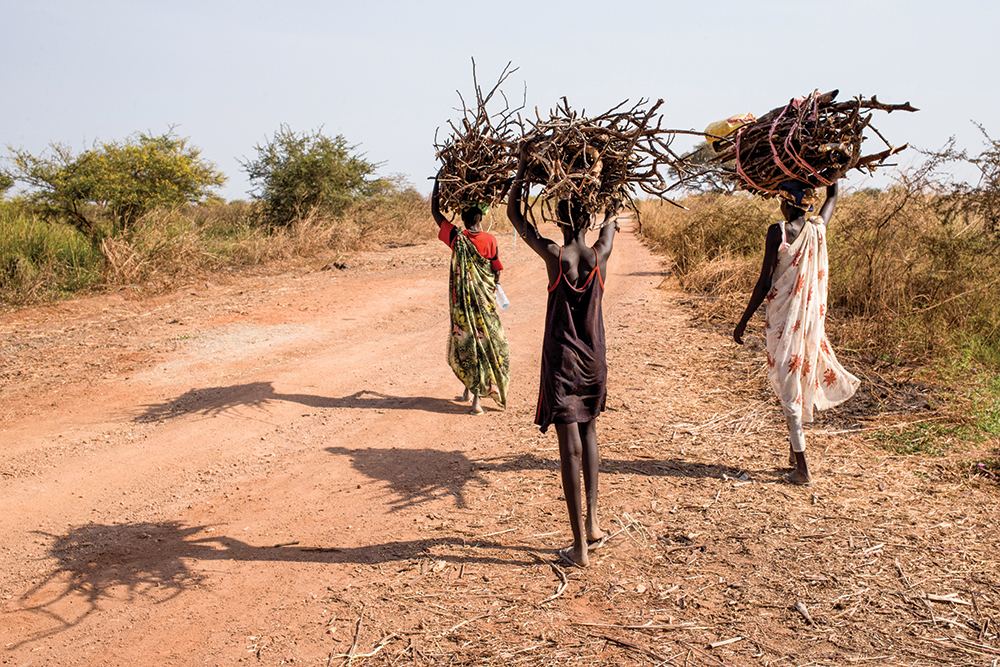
column 798, row 454
column 591, row 460
column 477, row 406
column 570, row 454
column 465, row 394
column 801, row 473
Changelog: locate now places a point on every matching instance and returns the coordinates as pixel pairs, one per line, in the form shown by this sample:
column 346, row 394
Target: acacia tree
column 708, row 178
column 966, row 199
column 116, row 181
column 295, row 175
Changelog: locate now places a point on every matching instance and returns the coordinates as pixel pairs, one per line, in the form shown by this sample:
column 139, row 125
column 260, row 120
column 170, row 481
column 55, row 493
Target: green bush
column 296, row 176
column 115, row 183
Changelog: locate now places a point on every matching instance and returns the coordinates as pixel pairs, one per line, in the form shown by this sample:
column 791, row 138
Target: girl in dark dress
column 574, row 368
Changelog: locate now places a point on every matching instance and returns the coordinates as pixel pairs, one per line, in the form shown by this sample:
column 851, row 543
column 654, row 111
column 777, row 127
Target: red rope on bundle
column 739, row 166
column 770, row 140
column 789, row 149
column 801, row 161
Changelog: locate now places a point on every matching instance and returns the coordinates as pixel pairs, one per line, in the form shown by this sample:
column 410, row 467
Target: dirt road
column 276, row 471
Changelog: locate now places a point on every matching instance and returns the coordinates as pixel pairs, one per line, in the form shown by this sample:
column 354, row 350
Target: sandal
column 565, row 558
column 594, row 545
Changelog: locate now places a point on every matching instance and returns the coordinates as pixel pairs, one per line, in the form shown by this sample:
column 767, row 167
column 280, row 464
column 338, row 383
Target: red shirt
column 485, row 243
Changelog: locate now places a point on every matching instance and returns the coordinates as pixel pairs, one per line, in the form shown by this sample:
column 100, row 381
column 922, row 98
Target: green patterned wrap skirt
column 477, row 347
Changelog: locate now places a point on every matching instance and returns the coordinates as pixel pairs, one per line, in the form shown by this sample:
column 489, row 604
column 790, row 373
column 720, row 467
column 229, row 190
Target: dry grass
column 905, row 285
column 173, row 246
column 41, row 262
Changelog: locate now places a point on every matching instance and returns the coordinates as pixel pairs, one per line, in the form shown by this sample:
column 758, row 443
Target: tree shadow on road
column 416, row 476
column 212, row 401
column 101, row 564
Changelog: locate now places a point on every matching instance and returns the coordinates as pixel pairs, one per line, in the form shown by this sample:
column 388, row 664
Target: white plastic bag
column 502, row 301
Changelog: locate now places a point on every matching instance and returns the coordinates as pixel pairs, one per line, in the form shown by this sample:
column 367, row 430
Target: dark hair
column 572, row 212
column 471, row 216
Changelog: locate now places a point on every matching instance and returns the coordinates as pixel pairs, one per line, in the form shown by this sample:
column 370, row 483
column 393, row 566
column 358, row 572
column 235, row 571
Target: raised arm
column 763, row 285
column 436, row 204
column 826, row 212
column 539, row 244
column 606, row 239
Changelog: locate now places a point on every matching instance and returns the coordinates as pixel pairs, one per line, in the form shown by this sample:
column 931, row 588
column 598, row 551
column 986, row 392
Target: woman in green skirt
column 477, row 347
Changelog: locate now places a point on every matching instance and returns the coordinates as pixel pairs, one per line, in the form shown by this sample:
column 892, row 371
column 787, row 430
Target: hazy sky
column 385, row 73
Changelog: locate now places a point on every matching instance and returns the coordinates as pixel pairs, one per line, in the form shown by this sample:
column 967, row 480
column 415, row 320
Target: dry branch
column 811, row 139
column 599, row 162
column 563, row 581
column 478, row 161
column 635, row 647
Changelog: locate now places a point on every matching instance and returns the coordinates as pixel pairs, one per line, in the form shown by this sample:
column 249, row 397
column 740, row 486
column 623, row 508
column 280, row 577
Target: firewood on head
column 477, row 158
column 597, row 163
column 811, row 139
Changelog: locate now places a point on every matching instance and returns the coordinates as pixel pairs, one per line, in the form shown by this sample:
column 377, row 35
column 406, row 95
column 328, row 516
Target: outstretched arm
column 826, row 212
column 763, row 282
column 539, row 244
column 436, row 203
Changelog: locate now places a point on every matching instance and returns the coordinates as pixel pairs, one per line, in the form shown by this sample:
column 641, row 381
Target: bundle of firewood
column 598, row 161
column 813, row 139
column 479, row 157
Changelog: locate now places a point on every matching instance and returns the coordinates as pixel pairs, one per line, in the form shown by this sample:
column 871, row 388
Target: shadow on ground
column 213, row 401
column 98, row 563
column 416, row 476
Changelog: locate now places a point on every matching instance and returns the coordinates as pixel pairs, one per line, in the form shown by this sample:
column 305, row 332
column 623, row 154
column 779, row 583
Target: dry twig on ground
column 478, row 161
column 812, row 139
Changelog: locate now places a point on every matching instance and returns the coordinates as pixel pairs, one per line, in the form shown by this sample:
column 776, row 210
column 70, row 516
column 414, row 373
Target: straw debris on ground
column 712, row 559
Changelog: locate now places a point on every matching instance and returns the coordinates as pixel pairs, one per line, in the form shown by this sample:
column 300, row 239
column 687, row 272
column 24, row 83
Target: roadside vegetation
column 142, row 212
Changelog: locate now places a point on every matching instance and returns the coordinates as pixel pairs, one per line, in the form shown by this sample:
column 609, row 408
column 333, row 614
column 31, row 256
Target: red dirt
column 275, row 470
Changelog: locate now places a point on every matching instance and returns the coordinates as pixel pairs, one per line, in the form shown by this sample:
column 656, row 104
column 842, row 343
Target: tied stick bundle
column 814, row 140
column 599, row 161
column 478, row 163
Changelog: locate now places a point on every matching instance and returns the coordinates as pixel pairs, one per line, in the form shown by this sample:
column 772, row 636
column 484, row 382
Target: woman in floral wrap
column 802, row 368
column 477, row 347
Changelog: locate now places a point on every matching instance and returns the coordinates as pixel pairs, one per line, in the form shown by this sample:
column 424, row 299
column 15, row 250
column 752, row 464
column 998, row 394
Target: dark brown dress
column 574, row 355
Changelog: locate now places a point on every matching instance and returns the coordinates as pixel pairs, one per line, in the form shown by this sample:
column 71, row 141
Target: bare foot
column 574, row 557
column 594, row 532
column 465, row 395
column 799, row 478
column 477, row 406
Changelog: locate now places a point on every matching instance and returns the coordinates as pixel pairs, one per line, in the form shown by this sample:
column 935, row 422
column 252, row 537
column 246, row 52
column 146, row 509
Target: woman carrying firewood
column 802, row 368
column 477, row 347
column 574, row 367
